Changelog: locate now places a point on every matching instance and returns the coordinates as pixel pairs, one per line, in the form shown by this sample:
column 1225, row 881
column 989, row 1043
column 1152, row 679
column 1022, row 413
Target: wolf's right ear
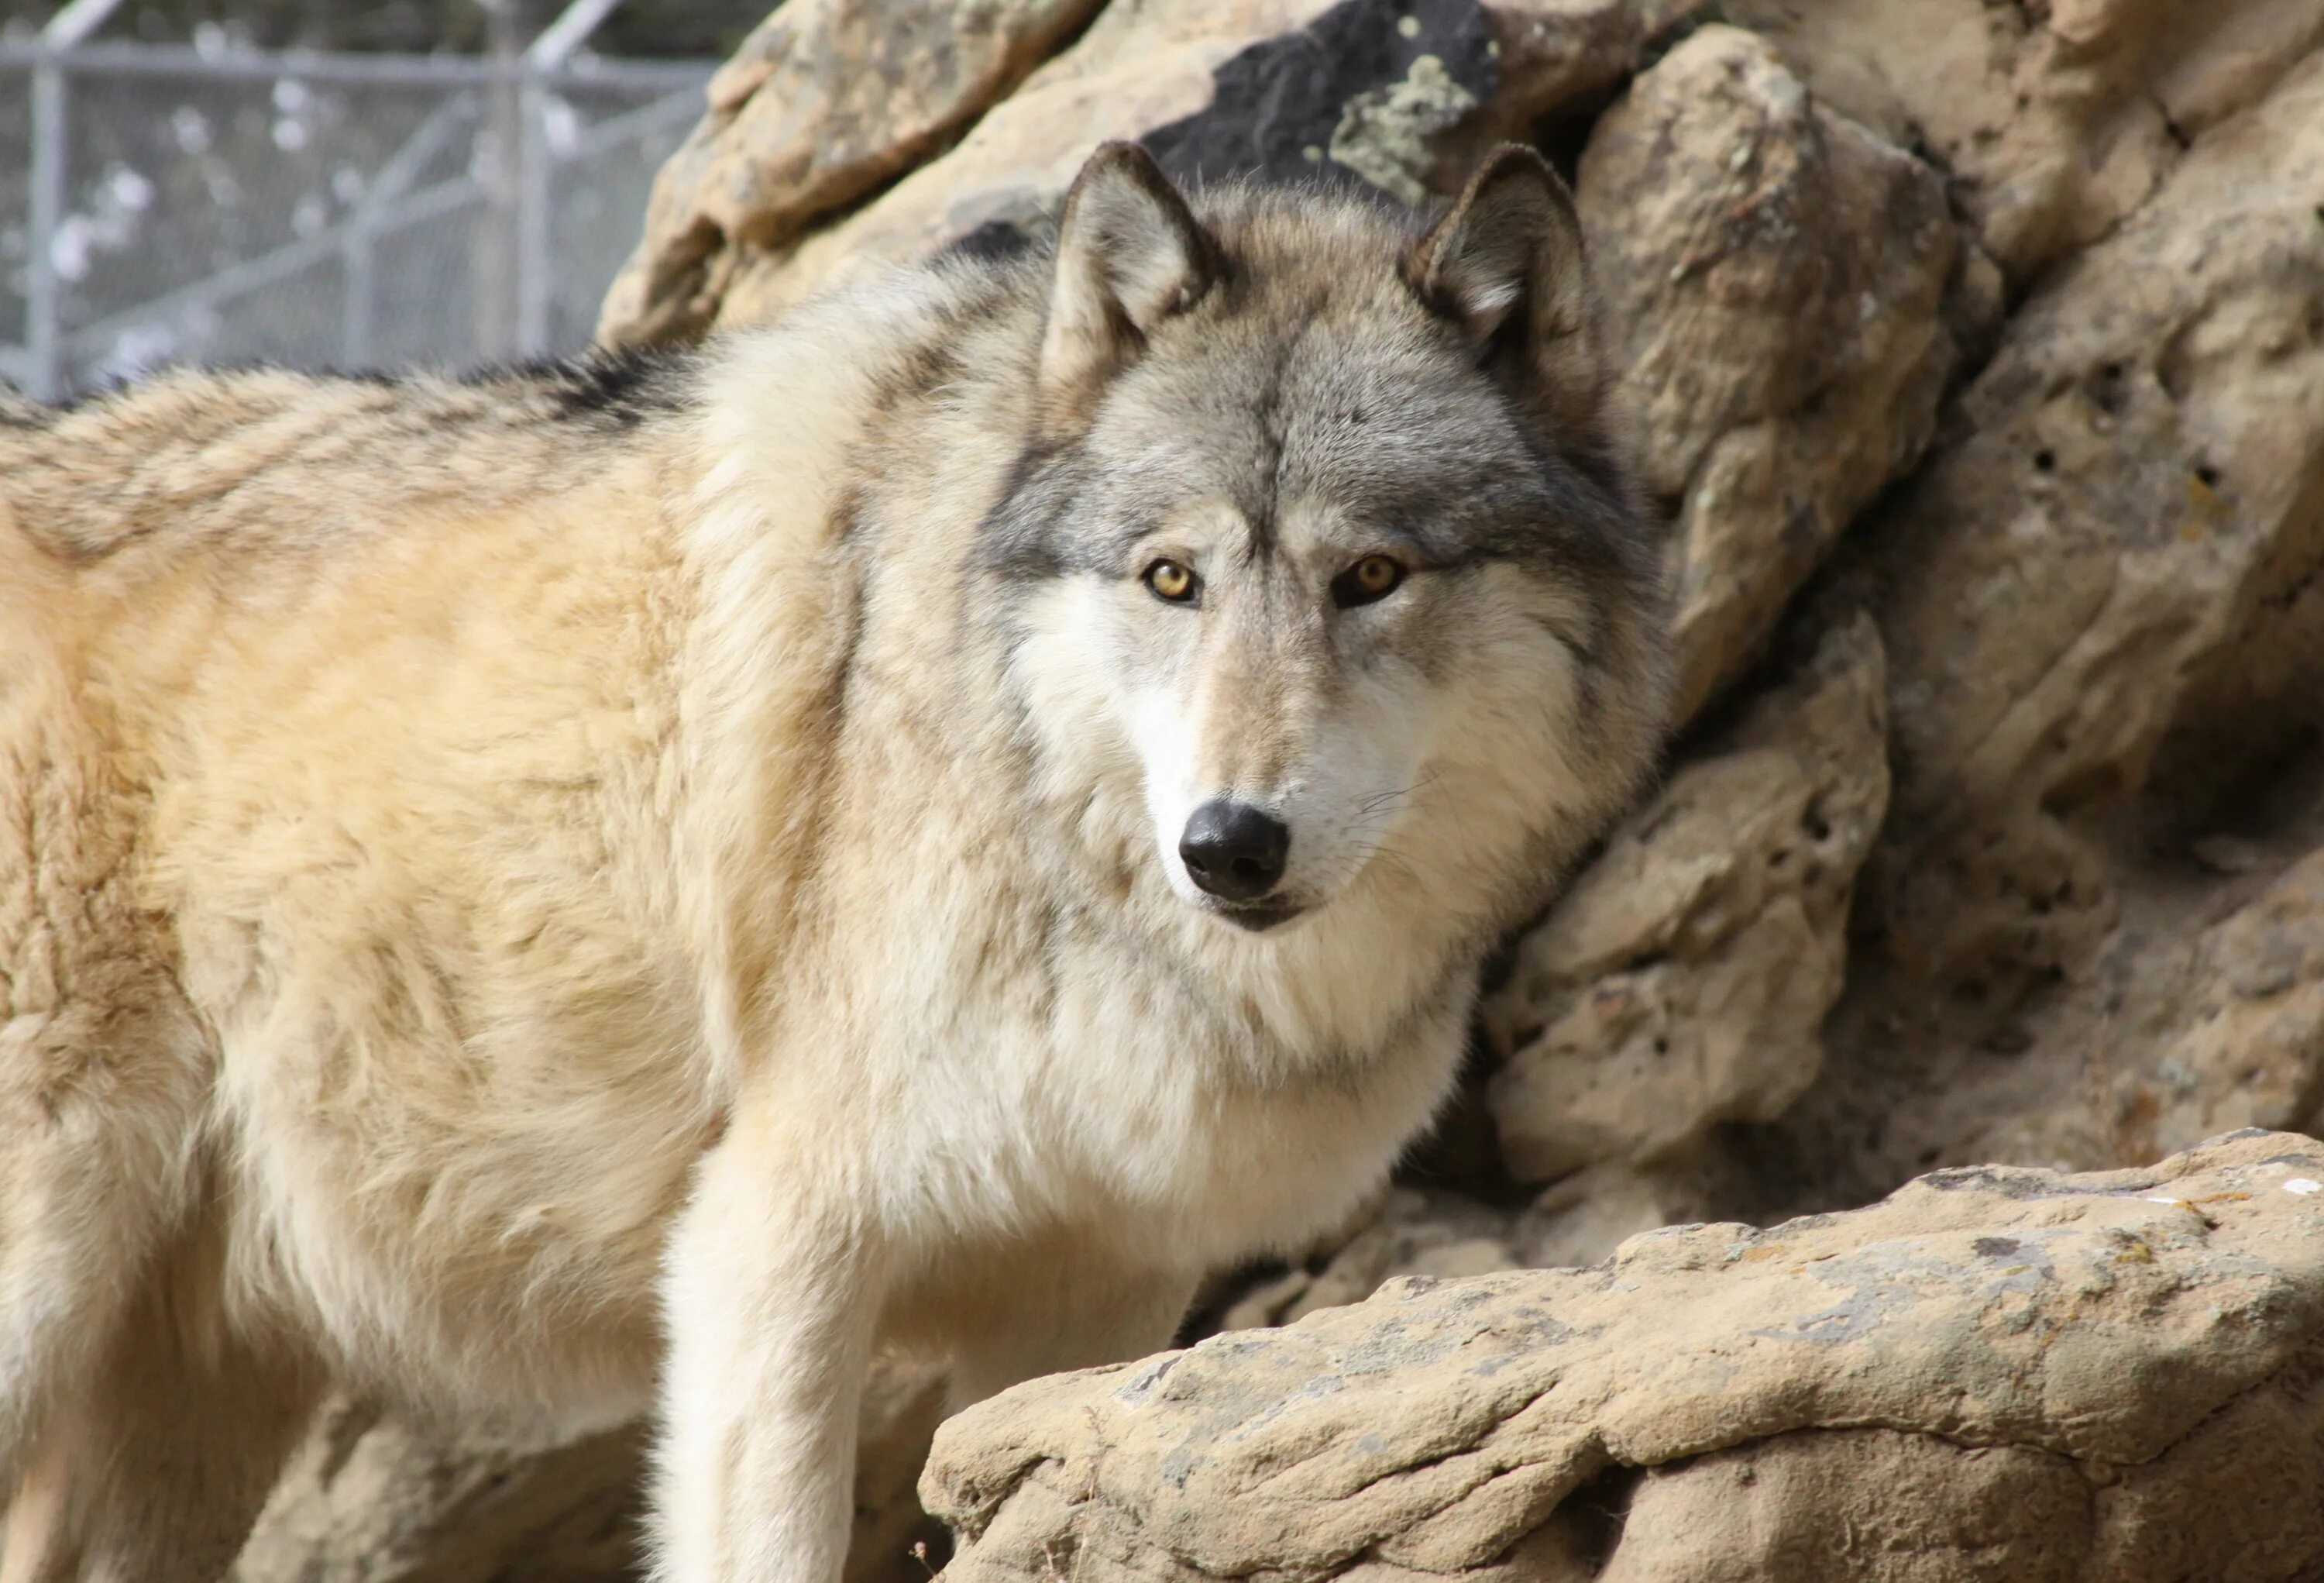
column 1505, row 265
column 1129, row 255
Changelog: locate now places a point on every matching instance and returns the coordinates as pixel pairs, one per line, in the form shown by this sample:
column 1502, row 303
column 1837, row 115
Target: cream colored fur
column 521, row 913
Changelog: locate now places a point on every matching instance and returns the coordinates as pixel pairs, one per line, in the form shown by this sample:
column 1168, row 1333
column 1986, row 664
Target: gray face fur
column 1288, row 390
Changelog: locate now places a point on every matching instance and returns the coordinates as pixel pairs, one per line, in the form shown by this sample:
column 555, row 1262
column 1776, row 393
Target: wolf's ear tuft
column 1129, row 255
column 1506, row 265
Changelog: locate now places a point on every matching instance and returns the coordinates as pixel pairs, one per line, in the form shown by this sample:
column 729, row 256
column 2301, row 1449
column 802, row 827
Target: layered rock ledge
column 1993, row 1372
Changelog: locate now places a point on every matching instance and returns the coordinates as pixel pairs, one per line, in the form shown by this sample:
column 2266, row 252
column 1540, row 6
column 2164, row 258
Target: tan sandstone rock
column 374, row 1498
column 2252, row 1050
column 1683, row 979
column 2057, row 119
column 370, row 1499
column 824, row 101
column 2102, row 603
column 2208, row 1014
column 1775, row 276
column 1401, row 95
column 1438, row 1233
column 2135, row 492
column 1992, row 1373
column 1415, row 1232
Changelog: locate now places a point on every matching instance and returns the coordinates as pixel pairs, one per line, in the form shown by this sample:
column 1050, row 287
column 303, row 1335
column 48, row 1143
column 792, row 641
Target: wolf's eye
column 1375, row 577
column 1171, row 581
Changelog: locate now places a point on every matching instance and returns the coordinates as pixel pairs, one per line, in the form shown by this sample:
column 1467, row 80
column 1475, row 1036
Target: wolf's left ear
column 1506, row 265
column 1129, row 255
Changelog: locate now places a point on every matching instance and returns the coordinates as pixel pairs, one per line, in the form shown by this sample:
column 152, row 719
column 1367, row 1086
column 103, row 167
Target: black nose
column 1234, row 851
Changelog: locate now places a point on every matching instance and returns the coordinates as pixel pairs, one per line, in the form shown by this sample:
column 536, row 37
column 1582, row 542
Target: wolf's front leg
column 774, row 1293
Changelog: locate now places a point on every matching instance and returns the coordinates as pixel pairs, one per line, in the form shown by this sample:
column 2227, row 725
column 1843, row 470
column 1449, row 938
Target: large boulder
column 2057, row 119
column 827, row 100
column 1682, row 980
column 2116, row 1378
column 1776, row 278
column 2132, row 508
column 2102, row 598
column 1398, row 93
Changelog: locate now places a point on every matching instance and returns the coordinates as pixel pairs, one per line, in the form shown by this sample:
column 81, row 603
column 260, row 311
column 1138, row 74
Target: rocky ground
column 1979, row 352
column 1995, row 1373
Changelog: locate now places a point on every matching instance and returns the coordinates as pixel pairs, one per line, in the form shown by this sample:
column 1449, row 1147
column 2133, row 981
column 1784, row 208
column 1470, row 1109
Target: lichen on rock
column 1383, row 134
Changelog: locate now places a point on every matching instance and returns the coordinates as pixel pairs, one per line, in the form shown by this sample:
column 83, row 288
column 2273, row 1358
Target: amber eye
column 1171, row 581
column 1375, row 577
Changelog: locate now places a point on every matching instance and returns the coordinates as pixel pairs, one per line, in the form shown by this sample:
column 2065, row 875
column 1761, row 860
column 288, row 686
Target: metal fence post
column 532, row 217
column 536, row 170
column 43, row 326
column 359, row 247
column 358, row 252
column 51, row 169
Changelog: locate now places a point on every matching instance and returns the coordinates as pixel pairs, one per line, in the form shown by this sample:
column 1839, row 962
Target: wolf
column 631, row 886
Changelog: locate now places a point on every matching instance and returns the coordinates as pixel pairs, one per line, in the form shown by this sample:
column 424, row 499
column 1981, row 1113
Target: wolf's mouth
column 1257, row 916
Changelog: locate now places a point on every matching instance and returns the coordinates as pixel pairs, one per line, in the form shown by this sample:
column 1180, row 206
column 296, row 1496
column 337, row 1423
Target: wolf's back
column 169, row 459
column 19, row 411
column 248, row 459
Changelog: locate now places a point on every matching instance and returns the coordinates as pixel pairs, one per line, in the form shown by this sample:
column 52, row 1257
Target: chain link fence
column 204, row 204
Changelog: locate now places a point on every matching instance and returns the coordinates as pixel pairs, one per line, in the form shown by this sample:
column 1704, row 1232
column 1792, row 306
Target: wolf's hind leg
column 153, row 1469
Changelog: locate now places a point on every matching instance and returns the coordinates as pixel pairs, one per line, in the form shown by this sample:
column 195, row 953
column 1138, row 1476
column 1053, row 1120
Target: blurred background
column 432, row 182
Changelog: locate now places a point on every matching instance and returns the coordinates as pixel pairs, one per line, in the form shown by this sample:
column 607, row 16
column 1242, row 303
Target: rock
column 1134, row 73
column 2135, row 489
column 374, row 1498
column 2200, row 1032
column 2254, row 1055
column 1991, row 1372
column 1775, row 276
column 2102, row 596
column 1415, row 1232
column 1402, row 94
column 1581, row 1219
column 824, row 101
column 1797, row 1506
column 2057, row 121
column 1439, row 1234
column 1682, row 980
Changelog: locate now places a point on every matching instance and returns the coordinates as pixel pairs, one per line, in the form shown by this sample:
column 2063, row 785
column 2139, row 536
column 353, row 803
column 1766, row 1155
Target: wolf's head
column 1325, row 541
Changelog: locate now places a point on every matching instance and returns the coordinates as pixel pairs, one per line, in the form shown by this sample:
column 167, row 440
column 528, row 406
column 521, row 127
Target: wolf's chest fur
column 995, row 1087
